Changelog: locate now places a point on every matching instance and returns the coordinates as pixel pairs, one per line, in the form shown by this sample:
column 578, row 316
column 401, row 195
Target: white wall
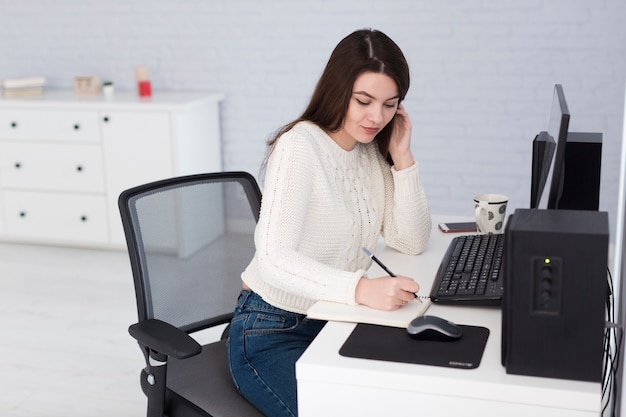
column 482, row 71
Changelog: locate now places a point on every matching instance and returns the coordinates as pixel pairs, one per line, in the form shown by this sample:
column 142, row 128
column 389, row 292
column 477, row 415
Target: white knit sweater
column 320, row 205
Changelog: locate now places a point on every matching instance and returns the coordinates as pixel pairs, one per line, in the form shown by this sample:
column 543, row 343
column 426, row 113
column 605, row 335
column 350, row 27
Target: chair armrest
column 164, row 338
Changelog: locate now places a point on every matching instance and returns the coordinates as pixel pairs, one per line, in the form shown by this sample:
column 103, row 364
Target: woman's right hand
column 386, row 293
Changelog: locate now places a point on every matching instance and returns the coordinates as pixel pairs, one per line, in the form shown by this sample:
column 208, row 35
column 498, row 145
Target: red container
column 145, row 89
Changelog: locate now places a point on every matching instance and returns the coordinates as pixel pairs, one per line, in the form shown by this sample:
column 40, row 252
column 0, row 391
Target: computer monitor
column 549, row 154
column 559, row 124
column 543, row 152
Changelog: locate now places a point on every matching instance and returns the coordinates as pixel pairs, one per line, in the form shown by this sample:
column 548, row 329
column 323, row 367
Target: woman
column 335, row 179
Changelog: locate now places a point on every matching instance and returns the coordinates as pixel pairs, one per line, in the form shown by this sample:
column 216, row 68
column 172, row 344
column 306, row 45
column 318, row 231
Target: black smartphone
column 458, row 227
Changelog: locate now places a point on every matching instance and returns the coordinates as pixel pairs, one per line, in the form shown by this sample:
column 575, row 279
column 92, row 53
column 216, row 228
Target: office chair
column 189, row 238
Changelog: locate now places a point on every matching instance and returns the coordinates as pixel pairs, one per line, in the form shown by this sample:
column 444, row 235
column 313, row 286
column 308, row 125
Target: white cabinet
column 64, row 159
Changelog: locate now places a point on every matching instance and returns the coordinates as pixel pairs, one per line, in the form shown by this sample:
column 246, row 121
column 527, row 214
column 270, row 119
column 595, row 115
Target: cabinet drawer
column 55, row 217
column 60, row 167
column 50, row 125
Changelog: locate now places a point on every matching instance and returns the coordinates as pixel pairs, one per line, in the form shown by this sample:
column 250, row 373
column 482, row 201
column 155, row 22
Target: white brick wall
column 482, row 72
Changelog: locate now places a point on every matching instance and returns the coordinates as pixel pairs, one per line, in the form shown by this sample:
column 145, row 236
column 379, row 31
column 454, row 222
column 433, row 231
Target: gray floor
column 64, row 346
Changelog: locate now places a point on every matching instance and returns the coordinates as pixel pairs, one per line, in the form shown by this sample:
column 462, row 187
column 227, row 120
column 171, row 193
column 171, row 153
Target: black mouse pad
column 369, row 341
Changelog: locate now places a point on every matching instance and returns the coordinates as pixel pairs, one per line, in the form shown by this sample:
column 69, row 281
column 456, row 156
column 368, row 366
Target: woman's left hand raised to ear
column 400, row 143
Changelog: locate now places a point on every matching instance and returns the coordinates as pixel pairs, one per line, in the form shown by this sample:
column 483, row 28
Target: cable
column 612, row 338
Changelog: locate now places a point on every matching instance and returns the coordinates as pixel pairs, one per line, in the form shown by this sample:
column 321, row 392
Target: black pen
column 375, row 259
column 384, row 267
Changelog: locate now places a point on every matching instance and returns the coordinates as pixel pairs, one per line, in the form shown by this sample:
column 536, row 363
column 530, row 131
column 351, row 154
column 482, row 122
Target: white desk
column 333, row 385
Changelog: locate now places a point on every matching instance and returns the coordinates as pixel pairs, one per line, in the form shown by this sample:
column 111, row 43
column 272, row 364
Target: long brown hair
column 364, row 50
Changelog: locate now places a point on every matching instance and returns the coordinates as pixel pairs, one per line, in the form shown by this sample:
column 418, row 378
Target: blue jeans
column 264, row 344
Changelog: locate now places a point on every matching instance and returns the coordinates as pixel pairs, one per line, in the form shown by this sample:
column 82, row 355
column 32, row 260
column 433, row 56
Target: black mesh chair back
column 189, row 238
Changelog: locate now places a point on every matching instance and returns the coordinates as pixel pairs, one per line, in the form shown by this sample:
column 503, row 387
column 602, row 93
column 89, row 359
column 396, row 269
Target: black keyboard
column 470, row 272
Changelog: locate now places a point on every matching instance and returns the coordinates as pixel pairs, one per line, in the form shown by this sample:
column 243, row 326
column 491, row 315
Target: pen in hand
column 375, row 259
column 384, row 267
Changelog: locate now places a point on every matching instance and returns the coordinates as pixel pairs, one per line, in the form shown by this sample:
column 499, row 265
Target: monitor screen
column 549, row 170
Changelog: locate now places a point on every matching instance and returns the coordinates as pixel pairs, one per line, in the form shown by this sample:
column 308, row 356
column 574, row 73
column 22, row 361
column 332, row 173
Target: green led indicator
column 547, row 261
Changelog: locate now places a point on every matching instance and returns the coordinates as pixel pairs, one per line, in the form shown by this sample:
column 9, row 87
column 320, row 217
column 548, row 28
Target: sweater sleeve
column 407, row 221
column 291, row 174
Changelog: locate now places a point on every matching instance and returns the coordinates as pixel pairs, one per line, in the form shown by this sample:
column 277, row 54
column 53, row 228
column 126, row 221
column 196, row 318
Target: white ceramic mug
column 490, row 211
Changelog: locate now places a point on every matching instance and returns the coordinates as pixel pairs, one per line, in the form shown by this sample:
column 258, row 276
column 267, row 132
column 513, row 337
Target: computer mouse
column 433, row 328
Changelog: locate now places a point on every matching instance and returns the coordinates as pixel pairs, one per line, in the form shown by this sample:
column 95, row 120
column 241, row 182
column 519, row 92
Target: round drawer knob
column 18, row 165
column 83, row 218
column 79, row 168
column 76, row 126
column 13, row 125
column 22, row 214
column 105, row 119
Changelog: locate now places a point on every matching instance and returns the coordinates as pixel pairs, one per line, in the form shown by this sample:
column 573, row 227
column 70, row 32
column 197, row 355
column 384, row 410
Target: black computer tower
column 555, row 291
column 581, row 177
